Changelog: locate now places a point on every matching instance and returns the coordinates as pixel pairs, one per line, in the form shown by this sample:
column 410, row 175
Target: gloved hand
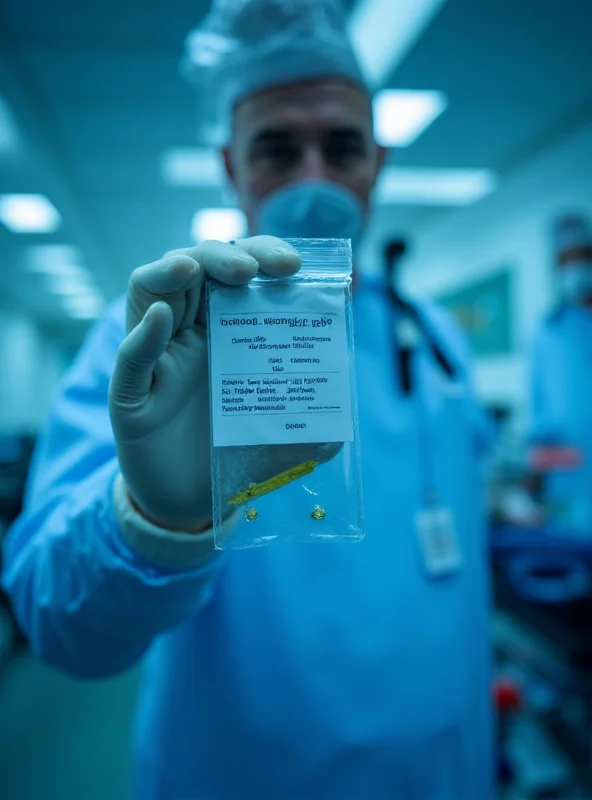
column 159, row 401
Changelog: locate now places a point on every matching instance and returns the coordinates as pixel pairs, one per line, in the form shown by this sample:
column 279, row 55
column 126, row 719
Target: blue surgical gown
column 300, row 672
column 561, row 413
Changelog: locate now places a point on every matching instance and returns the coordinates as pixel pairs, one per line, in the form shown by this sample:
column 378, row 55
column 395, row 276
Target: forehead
column 304, row 107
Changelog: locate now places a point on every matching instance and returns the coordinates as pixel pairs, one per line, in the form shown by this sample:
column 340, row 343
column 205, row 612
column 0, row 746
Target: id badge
column 438, row 541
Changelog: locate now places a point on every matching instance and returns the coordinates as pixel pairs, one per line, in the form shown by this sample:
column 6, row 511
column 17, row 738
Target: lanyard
column 407, row 316
column 410, row 350
column 413, row 341
column 427, row 451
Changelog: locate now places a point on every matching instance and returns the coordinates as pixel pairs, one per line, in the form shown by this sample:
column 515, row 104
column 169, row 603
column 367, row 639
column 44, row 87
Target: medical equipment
column 543, row 595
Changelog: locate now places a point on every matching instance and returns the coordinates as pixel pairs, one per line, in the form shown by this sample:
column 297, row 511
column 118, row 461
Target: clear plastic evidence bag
column 285, row 444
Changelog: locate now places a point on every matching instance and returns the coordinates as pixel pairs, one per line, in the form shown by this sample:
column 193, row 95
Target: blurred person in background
column 335, row 671
column 561, row 383
column 513, row 489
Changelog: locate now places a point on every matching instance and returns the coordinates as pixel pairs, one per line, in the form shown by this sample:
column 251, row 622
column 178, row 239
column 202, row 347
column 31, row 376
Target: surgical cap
column 570, row 231
column 246, row 46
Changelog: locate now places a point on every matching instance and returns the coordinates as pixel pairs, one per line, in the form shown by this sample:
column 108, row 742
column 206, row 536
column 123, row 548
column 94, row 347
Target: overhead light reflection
column 401, row 116
column 437, row 187
column 223, row 224
column 29, row 213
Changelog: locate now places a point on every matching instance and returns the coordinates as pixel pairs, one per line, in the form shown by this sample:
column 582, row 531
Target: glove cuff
column 164, row 548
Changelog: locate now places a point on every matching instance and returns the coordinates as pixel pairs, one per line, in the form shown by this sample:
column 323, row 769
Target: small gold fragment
column 318, row 513
column 251, row 514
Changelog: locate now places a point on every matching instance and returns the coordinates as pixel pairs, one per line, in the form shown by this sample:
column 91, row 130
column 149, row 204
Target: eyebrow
column 579, row 251
column 272, row 135
column 346, row 132
column 284, row 134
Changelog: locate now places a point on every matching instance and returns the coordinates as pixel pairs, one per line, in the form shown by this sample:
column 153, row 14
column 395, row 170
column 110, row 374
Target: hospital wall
column 509, row 228
column 31, row 364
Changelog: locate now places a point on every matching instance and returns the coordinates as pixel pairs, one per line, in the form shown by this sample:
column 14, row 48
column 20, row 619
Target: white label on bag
column 279, row 365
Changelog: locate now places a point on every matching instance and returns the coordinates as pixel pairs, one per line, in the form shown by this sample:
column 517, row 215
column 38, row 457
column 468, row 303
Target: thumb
column 132, row 377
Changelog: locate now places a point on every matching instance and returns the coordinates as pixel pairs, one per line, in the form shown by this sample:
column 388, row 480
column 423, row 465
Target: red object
column 507, row 696
column 548, row 459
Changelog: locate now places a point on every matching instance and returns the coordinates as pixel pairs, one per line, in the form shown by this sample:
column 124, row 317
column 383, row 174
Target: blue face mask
column 312, row 210
column 575, row 281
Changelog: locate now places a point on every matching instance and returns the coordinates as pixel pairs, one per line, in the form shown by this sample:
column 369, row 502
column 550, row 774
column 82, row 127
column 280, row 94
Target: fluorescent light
column 223, row 224
column 434, row 186
column 192, row 166
column 58, row 262
column 382, row 32
column 66, row 272
column 49, row 261
column 401, row 116
column 28, row 213
column 76, row 284
column 51, row 258
column 9, row 138
column 84, row 306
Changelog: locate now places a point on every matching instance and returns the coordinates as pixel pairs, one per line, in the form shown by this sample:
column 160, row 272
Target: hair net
column 246, row 46
column 571, row 231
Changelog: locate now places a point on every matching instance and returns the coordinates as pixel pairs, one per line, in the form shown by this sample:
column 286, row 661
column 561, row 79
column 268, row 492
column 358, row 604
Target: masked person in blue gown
column 561, row 384
column 327, row 672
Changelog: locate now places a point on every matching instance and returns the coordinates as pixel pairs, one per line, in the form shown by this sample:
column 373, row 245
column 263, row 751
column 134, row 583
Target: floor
column 62, row 739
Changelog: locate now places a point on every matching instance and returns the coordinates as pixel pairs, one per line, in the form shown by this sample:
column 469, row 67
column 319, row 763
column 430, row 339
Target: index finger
column 226, row 263
column 274, row 256
column 238, row 262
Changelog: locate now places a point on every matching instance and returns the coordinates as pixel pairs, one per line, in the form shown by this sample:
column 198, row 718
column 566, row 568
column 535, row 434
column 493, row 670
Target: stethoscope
column 410, row 328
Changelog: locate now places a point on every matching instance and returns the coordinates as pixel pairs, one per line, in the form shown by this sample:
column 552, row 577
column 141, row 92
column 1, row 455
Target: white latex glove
column 159, row 394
